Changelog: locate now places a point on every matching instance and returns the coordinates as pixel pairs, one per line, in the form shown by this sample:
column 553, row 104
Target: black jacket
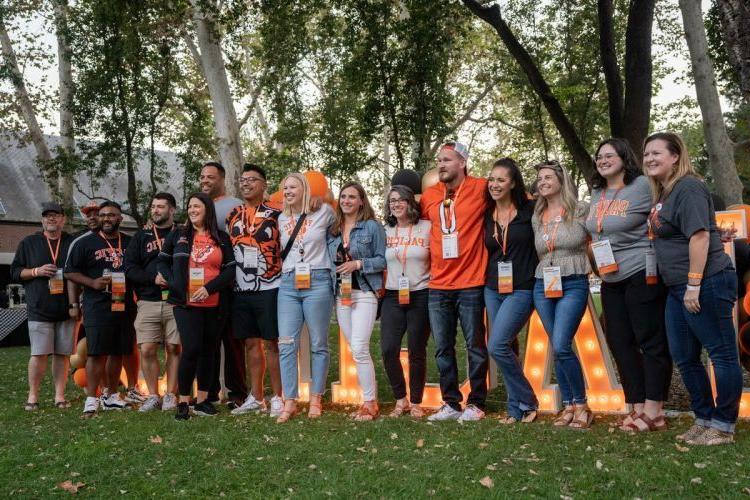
column 140, row 263
column 174, row 264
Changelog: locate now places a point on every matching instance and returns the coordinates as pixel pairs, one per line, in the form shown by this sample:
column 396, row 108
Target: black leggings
column 200, row 331
column 395, row 320
column 634, row 319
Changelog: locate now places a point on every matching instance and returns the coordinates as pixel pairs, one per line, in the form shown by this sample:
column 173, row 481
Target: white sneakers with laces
column 169, row 402
column 251, row 405
column 277, row 406
column 444, row 413
column 471, row 414
column 90, row 406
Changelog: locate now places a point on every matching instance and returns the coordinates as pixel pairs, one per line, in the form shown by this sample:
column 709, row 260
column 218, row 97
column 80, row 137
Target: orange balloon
column 329, row 196
column 430, row 178
column 746, row 303
column 744, row 338
column 277, row 197
column 79, row 377
column 318, row 183
column 746, row 209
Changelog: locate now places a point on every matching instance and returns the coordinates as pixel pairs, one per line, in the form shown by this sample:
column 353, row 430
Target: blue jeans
column 312, row 306
column 446, row 308
column 507, row 313
column 561, row 317
column 713, row 329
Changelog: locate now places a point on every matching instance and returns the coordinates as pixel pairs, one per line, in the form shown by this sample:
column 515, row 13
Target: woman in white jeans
column 357, row 247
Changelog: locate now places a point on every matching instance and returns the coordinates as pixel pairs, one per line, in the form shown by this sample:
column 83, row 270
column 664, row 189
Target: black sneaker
column 205, row 409
column 183, row 412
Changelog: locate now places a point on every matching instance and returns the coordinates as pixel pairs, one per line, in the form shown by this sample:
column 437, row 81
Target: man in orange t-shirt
column 455, row 207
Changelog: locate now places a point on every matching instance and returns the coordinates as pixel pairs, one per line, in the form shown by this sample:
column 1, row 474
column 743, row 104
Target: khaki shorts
column 155, row 323
column 51, row 337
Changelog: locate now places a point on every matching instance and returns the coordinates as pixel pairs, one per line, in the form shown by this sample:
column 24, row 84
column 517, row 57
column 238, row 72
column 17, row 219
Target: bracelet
column 34, row 272
column 73, row 305
column 693, row 288
column 697, row 276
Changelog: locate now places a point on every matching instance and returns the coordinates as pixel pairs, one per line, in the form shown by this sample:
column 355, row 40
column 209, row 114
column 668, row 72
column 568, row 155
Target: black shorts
column 254, row 315
column 110, row 340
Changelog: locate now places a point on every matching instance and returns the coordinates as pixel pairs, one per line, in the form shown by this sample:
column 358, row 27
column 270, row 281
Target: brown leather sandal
column 584, row 417
column 630, row 426
column 564, row 418
column 529, row 416
column 507, row 420
column 315, row 409
column 367, row 412
column 402, row 407
column 652, row 425
column 416, row 411
column 290, row 410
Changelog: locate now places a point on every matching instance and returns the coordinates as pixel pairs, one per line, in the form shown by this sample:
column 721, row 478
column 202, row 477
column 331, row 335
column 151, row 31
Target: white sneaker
column 277, row 406
column 169, row 402
column 90, row 406
column 471, row 414
column 152, row 403
column 445, row 413
column 251, row 405
column 134, row 396
column 112, row 402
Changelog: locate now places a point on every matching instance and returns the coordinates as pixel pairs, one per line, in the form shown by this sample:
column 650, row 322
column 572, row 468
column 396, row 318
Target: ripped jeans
column 313, row 307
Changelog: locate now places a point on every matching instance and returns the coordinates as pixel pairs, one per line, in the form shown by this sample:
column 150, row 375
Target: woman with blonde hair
column 561, row 289
column 701, row 285
column 305, row 293
column 356, row 244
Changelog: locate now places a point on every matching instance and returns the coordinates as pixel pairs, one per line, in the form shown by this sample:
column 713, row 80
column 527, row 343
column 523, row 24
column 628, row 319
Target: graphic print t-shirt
column 417, row 255
column 91, row 255
column 206, row 255
column 248, row 227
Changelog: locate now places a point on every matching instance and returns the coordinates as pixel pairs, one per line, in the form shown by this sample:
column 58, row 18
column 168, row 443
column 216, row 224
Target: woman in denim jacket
column 356, row 244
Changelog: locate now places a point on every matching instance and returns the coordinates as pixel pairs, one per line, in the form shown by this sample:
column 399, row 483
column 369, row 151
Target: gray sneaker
column 445, row 413
column 152, row 403
column 471, row 414
column 251, row 405
column 277, row 406
column 692, row 433
column 169, row 402
column 712, row 437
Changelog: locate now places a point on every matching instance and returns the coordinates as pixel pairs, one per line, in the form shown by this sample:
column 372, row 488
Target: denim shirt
column 367, row 244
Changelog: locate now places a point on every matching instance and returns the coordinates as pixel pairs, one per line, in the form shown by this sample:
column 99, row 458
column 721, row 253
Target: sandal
column 631, row 427
column 402, row 407
column 31, row 406
column 315, row 409
column 564, row 418
column 416, row 411
column 529, row 416
column 652, row 425
column 62, row 405
column 507, row 420
column 583, row 418
column 290, row 410
column 367, row 412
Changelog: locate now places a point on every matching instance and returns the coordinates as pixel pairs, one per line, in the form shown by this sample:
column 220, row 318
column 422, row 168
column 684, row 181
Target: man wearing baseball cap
column 38, row 265
column 458, row 259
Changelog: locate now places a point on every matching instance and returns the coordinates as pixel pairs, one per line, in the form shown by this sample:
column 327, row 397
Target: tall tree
column 720, row 148
column 734, row 16
column 65, row 77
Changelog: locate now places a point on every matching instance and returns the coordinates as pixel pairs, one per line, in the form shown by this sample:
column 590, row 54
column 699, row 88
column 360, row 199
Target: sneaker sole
column 203, row 414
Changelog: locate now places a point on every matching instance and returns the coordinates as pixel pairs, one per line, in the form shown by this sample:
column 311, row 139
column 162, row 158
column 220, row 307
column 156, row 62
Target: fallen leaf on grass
column 491, row 467
column 394, row 436
column 507, row 461
column 683, row 449
column 599, row 465
column 746, row 491
column 122, row 492
column 312, row 466
column 696, row 480
column 71, row 487
column 699, row 466
column 487, row 482
column 420, row 443
column 156, row 439
column 483, row 445
column 533, row 472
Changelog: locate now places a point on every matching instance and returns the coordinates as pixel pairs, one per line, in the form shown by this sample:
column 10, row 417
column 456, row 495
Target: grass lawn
column 133, row 454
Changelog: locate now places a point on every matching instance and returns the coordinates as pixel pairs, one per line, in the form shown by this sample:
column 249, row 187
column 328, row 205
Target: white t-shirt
column 417, row 255
column 311, row 239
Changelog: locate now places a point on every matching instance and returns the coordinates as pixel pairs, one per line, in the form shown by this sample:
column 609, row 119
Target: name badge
column 302, row 276
column 505, row 277
column 552, row 282
column 604, row 257
column 56, row 283
column 346, row 289
column 107, row 274
column 403, row 291
column 118, row 291
column 250, row 259
column 197, row 278
column 651, row 270
column 164, row 294
column 450, row 246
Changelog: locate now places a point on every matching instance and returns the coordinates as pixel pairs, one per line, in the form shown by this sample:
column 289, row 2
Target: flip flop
column 31, row 406
column 62, row 405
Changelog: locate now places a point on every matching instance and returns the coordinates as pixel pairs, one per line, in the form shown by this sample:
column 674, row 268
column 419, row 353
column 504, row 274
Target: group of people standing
column 252, row 274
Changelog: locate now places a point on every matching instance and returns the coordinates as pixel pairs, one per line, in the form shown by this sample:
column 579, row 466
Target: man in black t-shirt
column 38, row 264
column 91, row 212
column 154, row 323
column 95, row 261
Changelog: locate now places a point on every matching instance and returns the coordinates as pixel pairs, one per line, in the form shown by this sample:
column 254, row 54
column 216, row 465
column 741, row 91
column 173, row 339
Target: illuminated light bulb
column 603, row 399
column 352, row 370
column 539, row 346
column 616, row 399
column 535, row 372
column 598, row 372
column 743, row 403
column 590, row 345
column 404, row 361
column 546, row 398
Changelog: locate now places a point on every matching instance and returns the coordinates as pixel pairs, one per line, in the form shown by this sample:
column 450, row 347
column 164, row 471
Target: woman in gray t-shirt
column 633, row 304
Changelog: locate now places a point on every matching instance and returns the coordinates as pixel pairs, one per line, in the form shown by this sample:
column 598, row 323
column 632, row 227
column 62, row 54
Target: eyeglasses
column 394, row 202
column 250, row 180
column 608, row 156
column 52, row 215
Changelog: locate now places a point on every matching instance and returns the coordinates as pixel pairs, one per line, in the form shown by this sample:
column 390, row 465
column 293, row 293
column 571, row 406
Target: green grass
column 253, row 457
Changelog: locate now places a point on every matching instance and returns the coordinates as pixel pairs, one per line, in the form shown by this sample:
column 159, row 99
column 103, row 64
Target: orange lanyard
column 549, row 240
column 156, row 236
column 511, row 214
column 449, row 210
column 402, row 259
column 54, row 253
column 601, row 211
column 116, row 261
column 249, row 224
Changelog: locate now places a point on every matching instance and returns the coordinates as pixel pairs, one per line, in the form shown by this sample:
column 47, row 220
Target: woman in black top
column 197, row 261
column 511, row 263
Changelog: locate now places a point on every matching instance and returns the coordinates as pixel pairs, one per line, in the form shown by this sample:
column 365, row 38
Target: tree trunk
column 28, row 114
column 576, row 148
column 638, row 73
column 65, row 76
column 720, row 149
column 225, row 119
column 734, row 17
column 608, row 53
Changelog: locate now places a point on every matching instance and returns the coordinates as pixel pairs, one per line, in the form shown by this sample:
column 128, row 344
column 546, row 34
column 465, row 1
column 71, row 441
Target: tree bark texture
column 225, row 118
column 576, row 148
column 734, row 17
column 720, row 148
column 65, row 76
column 608, row 54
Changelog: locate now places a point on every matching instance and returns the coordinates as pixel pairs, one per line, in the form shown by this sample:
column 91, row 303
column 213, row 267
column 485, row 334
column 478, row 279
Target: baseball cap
column 51, row 206
column 90, row 206
column 458, row 147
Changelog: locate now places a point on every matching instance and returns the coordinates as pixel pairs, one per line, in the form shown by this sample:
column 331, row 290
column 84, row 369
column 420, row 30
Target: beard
column 111, row 229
